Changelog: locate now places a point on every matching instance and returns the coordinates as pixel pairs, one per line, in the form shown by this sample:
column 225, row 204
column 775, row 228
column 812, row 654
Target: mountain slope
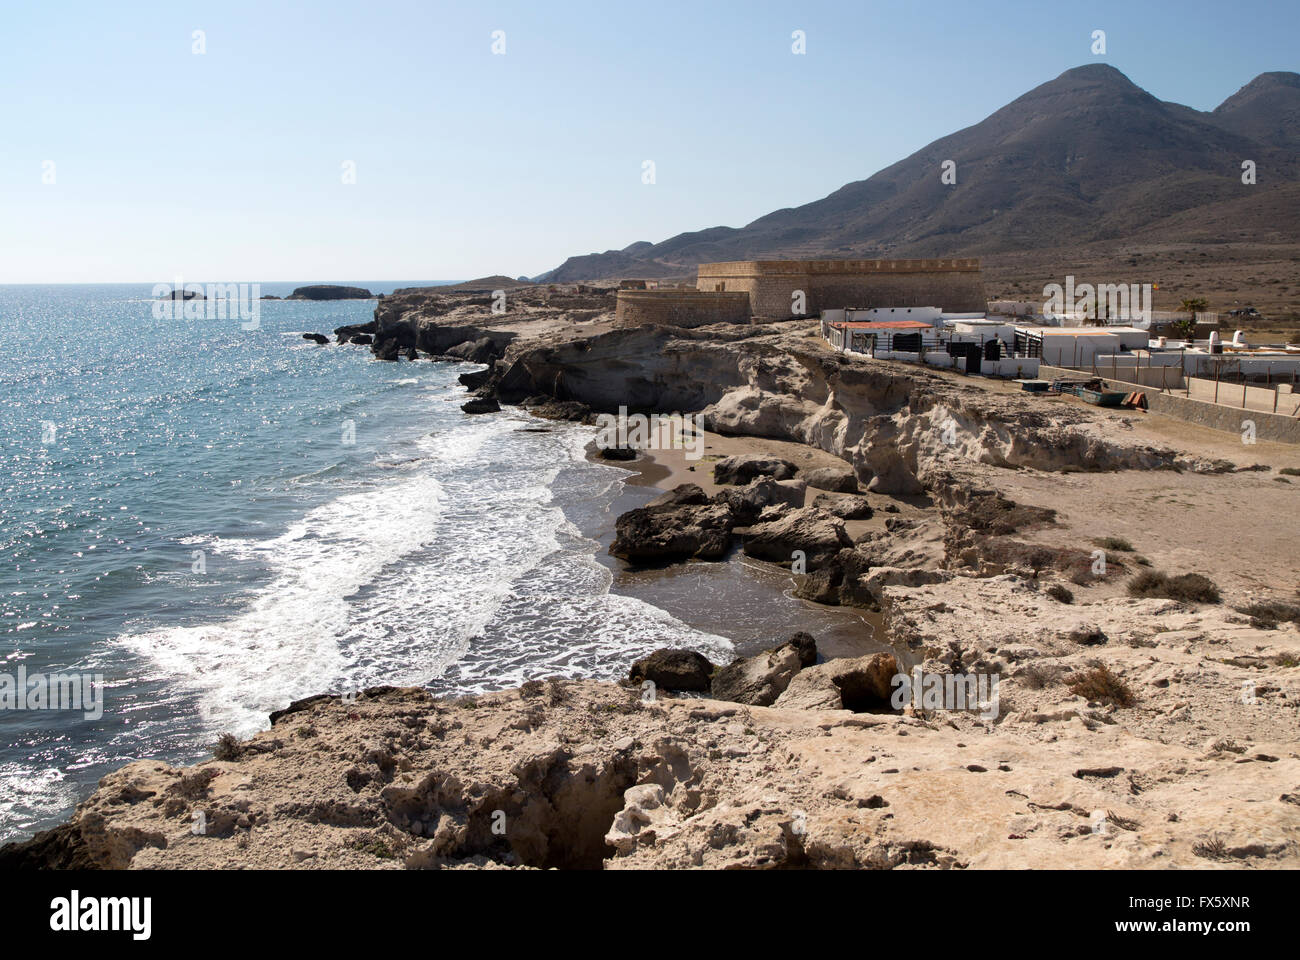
column 1085, row 158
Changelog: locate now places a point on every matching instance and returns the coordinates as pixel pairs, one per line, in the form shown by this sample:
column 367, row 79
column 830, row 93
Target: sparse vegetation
column 1102, row 685
column 559, row 692
column 228, row 747
column 624, row 707
column 375, row 846
column 994, row 514
column 1291, row 471
column 1212, row 849
column 1058, row 592
column 1035, row 676
column 531, row 688
column 1124, row 823
column 1271, row 612
column 1187, row 587
column 1114, row 543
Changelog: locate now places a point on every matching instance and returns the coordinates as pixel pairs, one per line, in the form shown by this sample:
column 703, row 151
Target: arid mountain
column 1087, row 159
column 1267, row 109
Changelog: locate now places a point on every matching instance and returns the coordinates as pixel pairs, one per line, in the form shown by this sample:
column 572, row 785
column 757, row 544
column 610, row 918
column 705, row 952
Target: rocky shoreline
column 1147, row 706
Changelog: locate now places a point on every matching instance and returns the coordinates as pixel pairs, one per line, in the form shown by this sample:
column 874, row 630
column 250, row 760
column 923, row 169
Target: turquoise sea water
column 220, row 520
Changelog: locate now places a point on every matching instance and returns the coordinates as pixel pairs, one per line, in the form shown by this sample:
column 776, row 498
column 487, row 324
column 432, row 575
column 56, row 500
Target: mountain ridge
column 1084, row 158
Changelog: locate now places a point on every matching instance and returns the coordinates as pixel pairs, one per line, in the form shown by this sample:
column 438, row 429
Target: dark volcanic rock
column 481, row 405
column 843, row 505
column 482, row 350
column 806, row 646
column 746, row 467
column 475, row 378
column 387, row 350
column 673, row 670
column 834, row 479
column 618, row 453
column 818, row 535
column 747, row 502
column 330, row 291
column 316, row 338
column 835, row 583
column 363, row 339
column 681, row 525
column 683, row 495
column 353, row 329
column 62, row 848
column 561, row 410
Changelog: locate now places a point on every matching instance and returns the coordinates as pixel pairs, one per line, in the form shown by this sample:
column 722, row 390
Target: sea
column 217, row 520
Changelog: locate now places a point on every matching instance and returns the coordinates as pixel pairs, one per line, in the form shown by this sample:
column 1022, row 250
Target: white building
column 1077, row 346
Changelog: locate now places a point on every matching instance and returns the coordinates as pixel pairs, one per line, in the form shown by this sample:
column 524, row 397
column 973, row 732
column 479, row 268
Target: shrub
column 1290, row 471
column 228, row 747
column 1058, row 592
column 531, row 688
column 1271, row 612
column 375, row 846
column 1114, row 543
column 1212, row 849
column 1100, row 684
column 559, row 693
column 1038, row 675
column 1187, row 587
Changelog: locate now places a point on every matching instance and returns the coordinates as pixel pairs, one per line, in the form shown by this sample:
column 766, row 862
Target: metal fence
column 1228, row 387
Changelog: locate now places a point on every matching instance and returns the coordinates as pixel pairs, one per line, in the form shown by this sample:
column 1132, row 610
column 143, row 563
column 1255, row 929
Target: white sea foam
column 286, row 643
column 462, row 573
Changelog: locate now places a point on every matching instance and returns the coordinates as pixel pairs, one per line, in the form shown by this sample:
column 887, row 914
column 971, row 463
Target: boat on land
column 1090, row 391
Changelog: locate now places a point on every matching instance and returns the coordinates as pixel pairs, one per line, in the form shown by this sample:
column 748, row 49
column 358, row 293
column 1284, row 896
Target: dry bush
column 1035, row 676
column 1101, row 685
column 993, row 513
column 1271, row 612
column 531, row 688
column 1187, row 587
column 1212, row 849
column 228, row 747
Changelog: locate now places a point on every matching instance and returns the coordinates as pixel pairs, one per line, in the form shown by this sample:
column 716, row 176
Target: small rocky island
column 330, row 291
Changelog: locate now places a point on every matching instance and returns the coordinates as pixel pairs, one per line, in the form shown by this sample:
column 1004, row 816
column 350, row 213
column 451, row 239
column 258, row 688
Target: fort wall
column 953, row 285
column 681, row 308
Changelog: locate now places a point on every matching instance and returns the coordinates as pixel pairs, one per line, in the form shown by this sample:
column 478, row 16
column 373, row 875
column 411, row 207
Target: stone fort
column 955, row 286
column 737, row 291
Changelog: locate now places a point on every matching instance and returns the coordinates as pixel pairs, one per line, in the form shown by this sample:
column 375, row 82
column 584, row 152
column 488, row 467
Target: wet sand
column 746, row 600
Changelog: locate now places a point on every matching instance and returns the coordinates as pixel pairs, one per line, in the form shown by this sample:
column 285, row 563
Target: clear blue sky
column 227, row 166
